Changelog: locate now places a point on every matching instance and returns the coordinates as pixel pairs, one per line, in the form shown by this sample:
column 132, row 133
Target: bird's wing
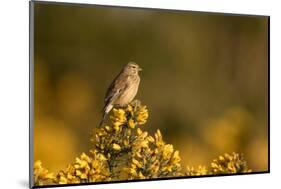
column 116, row 88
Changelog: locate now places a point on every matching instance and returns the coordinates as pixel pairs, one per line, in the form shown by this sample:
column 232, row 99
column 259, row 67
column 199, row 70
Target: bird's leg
column 135, row 104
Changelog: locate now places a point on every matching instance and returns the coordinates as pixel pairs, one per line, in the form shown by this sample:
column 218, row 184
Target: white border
column 14, row 73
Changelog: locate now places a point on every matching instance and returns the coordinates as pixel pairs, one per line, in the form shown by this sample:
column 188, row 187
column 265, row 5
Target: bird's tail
column 105, row 111
column 103, row 118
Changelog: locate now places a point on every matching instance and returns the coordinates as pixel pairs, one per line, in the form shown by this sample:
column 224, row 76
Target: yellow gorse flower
column 200, row 171
column 42, row 175
column 122, row 150
column 116, row 147
column 229, row 163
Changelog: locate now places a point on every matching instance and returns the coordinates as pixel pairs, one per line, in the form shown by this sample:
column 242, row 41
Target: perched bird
column 123, row 89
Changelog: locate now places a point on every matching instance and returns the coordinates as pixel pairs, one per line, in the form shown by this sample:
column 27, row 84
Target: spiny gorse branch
column 122, row 150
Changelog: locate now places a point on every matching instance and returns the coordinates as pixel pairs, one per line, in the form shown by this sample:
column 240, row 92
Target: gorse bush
column 226, row 164
column 122, row 150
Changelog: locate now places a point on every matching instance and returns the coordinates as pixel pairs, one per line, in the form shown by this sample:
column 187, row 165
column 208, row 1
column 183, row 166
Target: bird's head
column 131, row 68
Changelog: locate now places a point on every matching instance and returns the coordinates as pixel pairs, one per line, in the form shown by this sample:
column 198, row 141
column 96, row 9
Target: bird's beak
column 140, row 69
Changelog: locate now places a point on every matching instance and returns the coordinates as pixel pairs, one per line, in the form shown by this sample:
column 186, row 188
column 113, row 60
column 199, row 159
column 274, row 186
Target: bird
column 123, row 89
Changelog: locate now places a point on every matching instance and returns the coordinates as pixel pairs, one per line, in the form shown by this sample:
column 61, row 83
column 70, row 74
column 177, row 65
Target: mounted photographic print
column 123, row 94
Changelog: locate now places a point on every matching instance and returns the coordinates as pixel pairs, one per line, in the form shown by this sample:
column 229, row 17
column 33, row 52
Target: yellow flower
column 167, row 151
column 130, row 109
column 141, row 175
column 116, row 127
column 116, row 147
column 131, row 123
column 158, row 139
column 101, row 157
column 37, row 164
column 176, row 157
column 137, row 163
column 78, row 172
column 62, row 180
column 142, row 115
column 221, row 158
column 42, row 175
column 229, row 163
column 150, row 139
column 201, row 170
column 119, row 113
column 126, row 142
column 107, row 128
column 139, row 131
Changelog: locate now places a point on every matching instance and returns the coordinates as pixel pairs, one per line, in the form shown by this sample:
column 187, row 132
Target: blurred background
column 204, row 79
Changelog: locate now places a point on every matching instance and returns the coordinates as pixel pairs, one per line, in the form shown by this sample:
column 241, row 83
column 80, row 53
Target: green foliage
column 123, row 151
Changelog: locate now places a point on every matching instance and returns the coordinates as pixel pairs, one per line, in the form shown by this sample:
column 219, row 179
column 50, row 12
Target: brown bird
column 123, row 89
